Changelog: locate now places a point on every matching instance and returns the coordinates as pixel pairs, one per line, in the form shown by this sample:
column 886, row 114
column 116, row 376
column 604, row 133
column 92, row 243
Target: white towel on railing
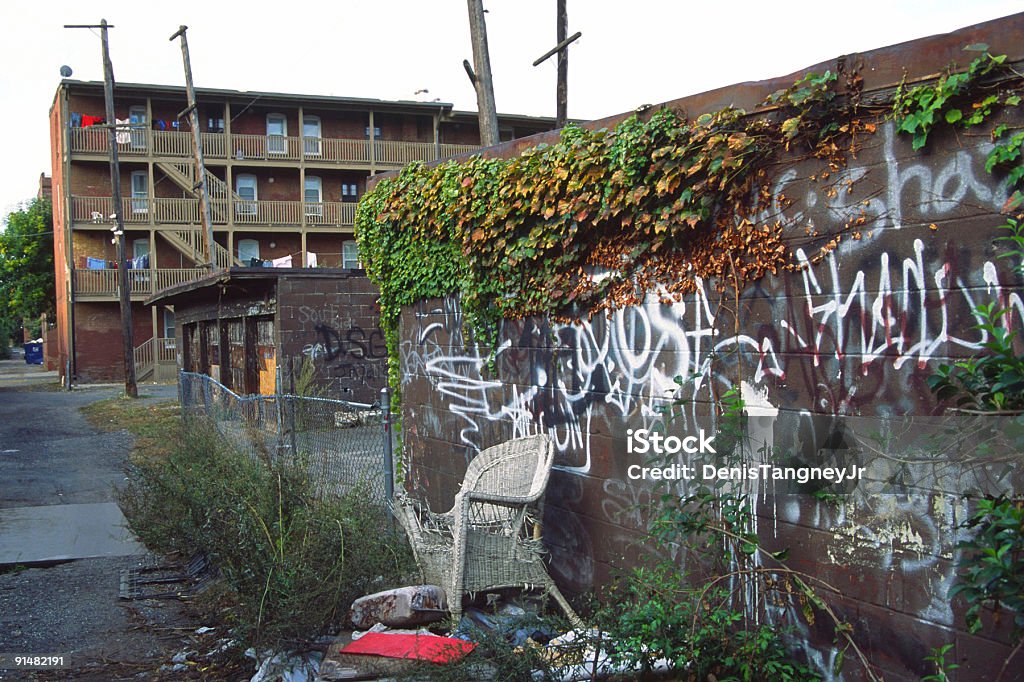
column 283, row 262
column 310, row 259
column 124, row 135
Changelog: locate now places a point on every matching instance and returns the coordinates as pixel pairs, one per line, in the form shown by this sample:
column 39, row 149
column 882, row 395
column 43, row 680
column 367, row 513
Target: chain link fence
column 343, row 445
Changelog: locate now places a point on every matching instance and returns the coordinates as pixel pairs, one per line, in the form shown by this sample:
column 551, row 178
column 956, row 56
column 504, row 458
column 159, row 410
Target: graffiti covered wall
column 853, row 337
column 334, row 323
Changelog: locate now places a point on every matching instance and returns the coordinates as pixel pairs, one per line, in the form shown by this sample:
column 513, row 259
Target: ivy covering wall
column 604, row 218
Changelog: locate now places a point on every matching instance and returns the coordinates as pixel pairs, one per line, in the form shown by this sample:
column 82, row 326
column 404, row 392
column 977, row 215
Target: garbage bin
column 34, row 353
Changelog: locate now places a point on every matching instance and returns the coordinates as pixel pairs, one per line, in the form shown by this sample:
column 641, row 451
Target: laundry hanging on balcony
column 124, row 136
column 310, row 259
column 95, row 264
column 283, row 262
column 139, row 263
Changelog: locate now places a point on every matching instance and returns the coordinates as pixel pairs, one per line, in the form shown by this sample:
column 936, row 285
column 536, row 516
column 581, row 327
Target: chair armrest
column 507, row 500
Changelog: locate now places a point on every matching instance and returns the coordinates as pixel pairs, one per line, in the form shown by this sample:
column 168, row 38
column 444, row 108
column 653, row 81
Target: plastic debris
column 285, row 668
column 433, row 648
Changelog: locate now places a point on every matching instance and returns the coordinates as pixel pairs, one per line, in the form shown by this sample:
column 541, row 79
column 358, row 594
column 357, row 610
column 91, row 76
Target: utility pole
column 562, row 50
column 562, row 88
column 482, row 82
column 197, row 149
column 130, row 388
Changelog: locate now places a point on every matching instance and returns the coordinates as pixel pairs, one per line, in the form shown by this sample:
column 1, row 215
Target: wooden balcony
column 102, row 285
column 157, row 212
column 143, row 142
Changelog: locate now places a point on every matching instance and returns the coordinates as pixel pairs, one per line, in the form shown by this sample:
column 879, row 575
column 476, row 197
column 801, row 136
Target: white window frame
column 277, row 143
column 350, row 254
column 169, row 339
column 247, row 250
column 314, row 209
column 312, row 144
column 140, row 192
column 138, row 121
column 140, row 247
column 246, row 206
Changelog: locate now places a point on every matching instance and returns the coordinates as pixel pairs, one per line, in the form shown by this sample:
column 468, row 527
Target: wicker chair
column 491, row 536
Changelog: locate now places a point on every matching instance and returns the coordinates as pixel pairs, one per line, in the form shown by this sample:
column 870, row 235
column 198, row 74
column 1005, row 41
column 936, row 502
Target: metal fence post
column 293, row 402
column 389, row 454
column 279, row 404
column 207, row 399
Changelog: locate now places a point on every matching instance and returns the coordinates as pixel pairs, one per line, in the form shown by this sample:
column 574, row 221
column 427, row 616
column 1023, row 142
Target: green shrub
column 294, row 560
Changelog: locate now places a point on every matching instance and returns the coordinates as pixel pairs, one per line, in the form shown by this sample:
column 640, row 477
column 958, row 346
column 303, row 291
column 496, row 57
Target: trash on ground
column 157, row 580
column 286, row 668
column 420, row 647
column 514, row 623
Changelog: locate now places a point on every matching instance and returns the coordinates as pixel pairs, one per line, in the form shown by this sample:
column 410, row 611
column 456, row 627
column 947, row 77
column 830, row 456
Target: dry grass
column 155, row 426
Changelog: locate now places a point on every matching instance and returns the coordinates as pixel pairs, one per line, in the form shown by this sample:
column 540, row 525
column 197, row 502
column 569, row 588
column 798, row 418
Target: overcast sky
column 631, row 53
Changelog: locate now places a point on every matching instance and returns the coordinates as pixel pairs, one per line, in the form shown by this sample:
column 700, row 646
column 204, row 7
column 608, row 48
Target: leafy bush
column 992, row 568
column 293, row 559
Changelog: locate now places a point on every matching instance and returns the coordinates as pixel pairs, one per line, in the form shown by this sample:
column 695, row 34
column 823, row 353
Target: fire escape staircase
column 189, row 241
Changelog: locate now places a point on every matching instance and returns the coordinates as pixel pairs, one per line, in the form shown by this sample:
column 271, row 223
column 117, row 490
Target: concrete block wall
column 854, row 336
column 334, row 322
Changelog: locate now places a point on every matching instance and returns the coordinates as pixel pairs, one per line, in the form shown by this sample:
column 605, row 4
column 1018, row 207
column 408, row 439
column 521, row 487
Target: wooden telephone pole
column 562, row 50
column 197, row 150
column 488, row 114
column 562, row 89
column 131, row 389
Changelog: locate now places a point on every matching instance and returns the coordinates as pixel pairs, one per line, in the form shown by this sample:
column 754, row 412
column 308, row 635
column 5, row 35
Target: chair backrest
column 517, row 469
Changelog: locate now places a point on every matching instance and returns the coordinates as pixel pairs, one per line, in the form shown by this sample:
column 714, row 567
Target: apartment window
column 376, row 132
column 247, row 250
column 277, row 134
column 140, row 247
column 140, row 192
column 350, row 254
column 313, row 196
column 169, row 328
column 349, row 191
column 245, row 188
column 311, row 134
column 215, row 124
column 138, row 122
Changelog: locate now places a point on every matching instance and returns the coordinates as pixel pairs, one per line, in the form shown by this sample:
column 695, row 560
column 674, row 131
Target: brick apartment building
column 284, row 173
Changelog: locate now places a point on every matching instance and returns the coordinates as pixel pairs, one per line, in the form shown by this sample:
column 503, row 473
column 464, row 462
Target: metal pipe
column 389, row 454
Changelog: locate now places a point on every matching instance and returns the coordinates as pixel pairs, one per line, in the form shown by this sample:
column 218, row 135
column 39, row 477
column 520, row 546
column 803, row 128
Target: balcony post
column 437, row 136
column 373, row 146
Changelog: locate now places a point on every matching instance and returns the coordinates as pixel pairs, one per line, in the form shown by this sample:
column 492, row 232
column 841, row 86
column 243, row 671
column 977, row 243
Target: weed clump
column 293, row 559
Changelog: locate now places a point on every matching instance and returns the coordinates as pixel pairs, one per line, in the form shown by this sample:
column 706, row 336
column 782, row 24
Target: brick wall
column 343, row 126
column 98, row 344
column 60, row 246
column 254, row 121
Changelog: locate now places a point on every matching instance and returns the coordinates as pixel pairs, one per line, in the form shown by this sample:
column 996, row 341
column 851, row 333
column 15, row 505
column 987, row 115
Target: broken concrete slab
column 61, row 532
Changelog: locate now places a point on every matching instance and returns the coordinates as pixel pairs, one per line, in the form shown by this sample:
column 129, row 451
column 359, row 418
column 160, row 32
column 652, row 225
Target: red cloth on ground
column 419, row 647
